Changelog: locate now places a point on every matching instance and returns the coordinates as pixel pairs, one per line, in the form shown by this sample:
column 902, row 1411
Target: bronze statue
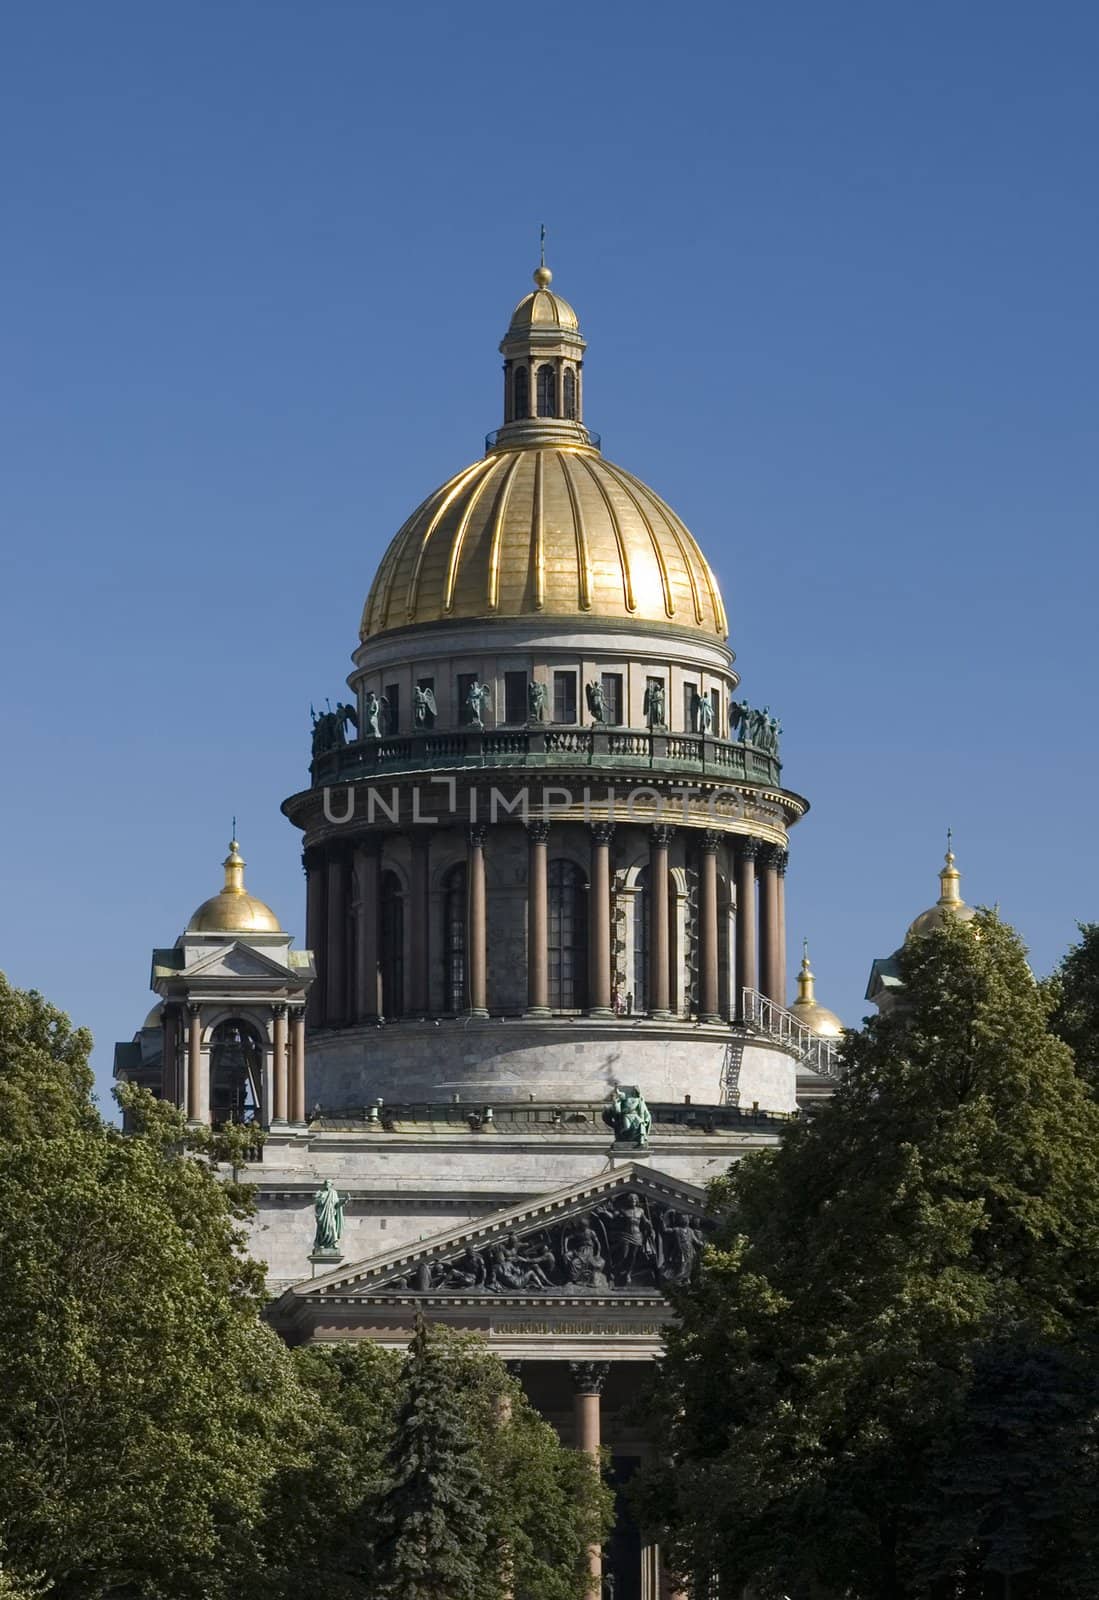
column 629, row 1116
column 537, row 701
column 328, row 1206
column 703, row 713
column 597, row 704
column 654, row 704
column 477, row 698
column 374, row 706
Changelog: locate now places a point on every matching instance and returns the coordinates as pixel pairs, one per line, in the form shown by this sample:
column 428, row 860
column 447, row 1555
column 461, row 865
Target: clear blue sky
column 837, row 266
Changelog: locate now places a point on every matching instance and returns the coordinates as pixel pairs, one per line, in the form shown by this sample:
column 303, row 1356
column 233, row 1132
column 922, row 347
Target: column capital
column 748, row 847
column 312, row 856
column 662, row 835
column 769, row 857
column 588, row 1377
column 371, row 844
column 278, row 1008
column 477, row 833
column 538, row 830
column 710, row 841
column 783, row 861
column 194, row 1008
column 602, row 832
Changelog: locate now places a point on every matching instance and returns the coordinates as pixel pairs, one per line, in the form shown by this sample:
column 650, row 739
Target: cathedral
column 543, row 999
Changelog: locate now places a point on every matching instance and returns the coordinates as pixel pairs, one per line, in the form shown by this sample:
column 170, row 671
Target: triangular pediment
column 631, row 1232
column 238, row 961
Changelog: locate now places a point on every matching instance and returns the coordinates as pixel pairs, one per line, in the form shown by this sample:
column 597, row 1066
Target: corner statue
column 328, row 1206
column 629, row 1116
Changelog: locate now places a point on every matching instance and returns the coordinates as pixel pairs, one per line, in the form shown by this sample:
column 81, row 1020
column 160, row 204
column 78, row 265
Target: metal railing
column 545, row 744
column 761, row 1015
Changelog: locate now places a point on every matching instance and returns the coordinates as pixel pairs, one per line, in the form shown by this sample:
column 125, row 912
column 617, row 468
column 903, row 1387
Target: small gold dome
column 545, row 530
column 809, row 1012
column 949, row 905
column 543, row 309
column 155, row 1019
column 233, row 909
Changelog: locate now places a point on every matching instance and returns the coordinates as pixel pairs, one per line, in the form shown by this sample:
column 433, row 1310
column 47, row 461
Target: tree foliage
column 143, row 1404
column 158, row 1442
column 1075, row 1017
column 911, row 1276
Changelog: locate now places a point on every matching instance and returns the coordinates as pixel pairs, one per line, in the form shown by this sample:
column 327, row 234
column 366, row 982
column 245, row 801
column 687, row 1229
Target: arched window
column 568, row 937
column 547, row 390
column 454, row 938
column 641, row 942
column 570, row 394
column 236, row 1073
column 392, row 946
column 521, row 393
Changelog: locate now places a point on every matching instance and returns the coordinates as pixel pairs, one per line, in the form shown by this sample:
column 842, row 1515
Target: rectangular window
column 612, row 698
column 564, row 697
column 464, row 681
column 715, row 701
column 690, row 718
column 393, row 708
column 515, row 697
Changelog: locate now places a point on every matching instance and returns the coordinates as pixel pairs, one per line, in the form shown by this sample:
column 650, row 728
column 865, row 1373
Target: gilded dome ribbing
column 544, row 531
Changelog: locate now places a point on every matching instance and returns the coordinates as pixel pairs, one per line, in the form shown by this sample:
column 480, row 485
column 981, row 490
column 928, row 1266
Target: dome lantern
column 543, row 368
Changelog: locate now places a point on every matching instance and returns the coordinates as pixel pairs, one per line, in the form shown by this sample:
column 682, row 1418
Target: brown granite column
column 599, row 921
column 746, row 975
column 280, row 1075
column 769, row 980
column 420, row 889
column 297, row 1064
column 537, row 918
column 335, row 943
column 315, row 929
column 588, row 1378
column 660, row 839
column 368, row 891
column 198, row 1089
column 169, row 1048
column 780, row 971
column 709, row 994
column 477, row 922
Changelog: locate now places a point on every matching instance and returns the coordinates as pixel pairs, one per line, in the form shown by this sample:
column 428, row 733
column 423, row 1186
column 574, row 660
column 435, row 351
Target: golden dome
column 809, row 1012
column 949, row 904
column 549, row 529
column 233, row 909
column 542, row 309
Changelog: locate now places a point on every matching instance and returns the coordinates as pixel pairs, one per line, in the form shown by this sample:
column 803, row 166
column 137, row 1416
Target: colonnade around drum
column 604, row 920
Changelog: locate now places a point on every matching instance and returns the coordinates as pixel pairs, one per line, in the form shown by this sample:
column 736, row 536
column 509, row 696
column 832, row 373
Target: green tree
column 482, row 1501
column 321, row 1525
column 1075, row 1017
column 144, row 1406
column 823, row 1381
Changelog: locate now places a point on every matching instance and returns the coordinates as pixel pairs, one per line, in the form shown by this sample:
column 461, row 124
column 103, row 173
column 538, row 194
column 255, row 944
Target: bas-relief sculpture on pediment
column 630, row 1241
